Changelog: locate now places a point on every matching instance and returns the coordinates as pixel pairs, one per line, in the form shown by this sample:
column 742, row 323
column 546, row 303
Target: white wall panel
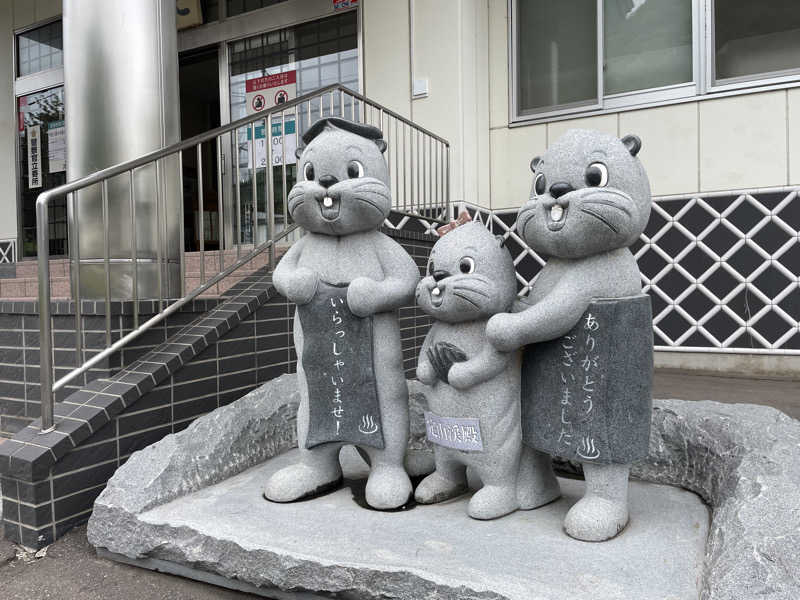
column 385, row 54
column 669, row 145
column 743, row 141
column 512, row 151
column 8, row 127
column 793, row 129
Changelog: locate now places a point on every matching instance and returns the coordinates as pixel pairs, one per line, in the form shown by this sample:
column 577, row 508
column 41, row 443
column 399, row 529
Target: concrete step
column 27, row 288
column 25, row 285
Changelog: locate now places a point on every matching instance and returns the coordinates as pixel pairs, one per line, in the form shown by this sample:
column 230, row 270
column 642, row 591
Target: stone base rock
column 332, row 544
column 191, row 504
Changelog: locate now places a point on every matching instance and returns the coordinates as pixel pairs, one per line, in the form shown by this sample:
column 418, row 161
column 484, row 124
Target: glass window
column 557, row 54
column 647, row 44
column 40, row 49
column 754, row 38
column 42, row 165
column 292, row 61
column 210, row 10
column 237, row 7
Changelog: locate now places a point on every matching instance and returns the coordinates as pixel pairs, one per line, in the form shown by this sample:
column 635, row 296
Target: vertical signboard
column 56, row 147
column 34, row 157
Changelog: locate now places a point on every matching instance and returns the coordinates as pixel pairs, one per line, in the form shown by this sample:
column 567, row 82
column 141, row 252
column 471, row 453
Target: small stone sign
column 337, row 359
column 587, row 396
column 451, row 432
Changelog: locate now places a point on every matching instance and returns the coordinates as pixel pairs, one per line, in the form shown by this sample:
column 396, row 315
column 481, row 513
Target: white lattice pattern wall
column 722, row 270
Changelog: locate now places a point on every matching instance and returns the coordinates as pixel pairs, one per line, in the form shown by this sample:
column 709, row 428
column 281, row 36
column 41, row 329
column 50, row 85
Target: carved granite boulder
column 474, row 416
column 586, row 326
column 348, row 280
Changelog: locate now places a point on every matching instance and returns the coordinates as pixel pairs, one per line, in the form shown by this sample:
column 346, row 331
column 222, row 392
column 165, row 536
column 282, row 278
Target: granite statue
column 586, row 326
column 348, row 280
column 474, row 403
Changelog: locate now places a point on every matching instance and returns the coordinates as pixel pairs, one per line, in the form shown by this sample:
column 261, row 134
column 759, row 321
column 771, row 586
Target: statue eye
column 540, row 184
column 597, row 175
column 355, row 169
column 308, row 172
column 467, row 265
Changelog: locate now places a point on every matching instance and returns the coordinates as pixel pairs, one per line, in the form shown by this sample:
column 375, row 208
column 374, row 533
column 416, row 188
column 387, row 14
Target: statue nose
column 327, row 181
column 439, row 275
column 559, row 189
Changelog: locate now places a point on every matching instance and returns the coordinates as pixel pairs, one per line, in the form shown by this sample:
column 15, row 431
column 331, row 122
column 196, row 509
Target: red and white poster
column 270, row 90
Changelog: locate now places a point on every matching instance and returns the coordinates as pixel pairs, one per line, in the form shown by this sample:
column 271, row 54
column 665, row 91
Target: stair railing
column 418, row 162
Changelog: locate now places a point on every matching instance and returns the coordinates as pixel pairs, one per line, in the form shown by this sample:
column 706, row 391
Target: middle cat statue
column 474, row 418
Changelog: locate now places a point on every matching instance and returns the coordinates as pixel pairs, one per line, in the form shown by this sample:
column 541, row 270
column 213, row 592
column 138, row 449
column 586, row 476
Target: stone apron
column 587, row 396
column 338, row 364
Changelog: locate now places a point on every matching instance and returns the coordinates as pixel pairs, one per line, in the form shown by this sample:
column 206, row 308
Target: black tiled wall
column 19, row 349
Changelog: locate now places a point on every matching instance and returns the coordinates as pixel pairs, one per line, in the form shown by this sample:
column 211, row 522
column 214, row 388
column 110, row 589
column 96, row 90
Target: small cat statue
column 474, row 401
column 586, row 326
column 348, row 280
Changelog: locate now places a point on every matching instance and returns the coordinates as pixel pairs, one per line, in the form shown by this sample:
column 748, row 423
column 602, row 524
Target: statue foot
column 493, row 501
column 435, row 488
column 596, row 519
column 299, row 481
column 534, row 498
column 388, row 487
column 536, row 483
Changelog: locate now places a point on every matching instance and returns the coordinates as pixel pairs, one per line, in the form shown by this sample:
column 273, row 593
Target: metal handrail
column 426, row 183
column 121, row 168
column 169, row 310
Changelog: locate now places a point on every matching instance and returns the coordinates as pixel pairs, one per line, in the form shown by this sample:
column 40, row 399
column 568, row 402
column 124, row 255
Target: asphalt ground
column 783, row 394
column 71, row 570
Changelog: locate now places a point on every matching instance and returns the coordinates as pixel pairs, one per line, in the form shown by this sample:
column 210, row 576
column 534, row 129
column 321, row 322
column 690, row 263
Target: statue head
column 342, row 181
column 590, row 194
column 470, row 276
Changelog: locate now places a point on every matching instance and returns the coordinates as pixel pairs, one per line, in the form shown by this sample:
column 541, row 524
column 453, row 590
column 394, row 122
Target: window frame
column 40, row 80
column 562, row 109
column 744, row 81
column 23, row 86
column 703, row 84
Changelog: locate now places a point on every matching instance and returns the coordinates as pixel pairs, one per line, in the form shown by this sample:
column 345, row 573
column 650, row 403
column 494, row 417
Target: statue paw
column 299, row 481
column 595, row 519
column 493, row 501
column 388, row 487
column 459, row 376
column 500, row 332
column 302, row 286
column 362, row 296
column 435, row 488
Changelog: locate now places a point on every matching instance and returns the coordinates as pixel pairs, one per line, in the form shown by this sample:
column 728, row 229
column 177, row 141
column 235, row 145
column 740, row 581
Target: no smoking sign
column 266, row 91
column 258, row 103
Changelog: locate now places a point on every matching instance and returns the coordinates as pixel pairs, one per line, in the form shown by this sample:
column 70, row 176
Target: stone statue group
column 564, row 371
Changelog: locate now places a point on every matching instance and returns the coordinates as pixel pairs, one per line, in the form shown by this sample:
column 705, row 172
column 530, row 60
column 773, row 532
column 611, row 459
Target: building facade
column 711, row 86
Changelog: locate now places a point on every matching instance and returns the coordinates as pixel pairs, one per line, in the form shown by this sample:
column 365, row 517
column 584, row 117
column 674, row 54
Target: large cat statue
column 474, row 400
column 348, row 280
column 586, row 326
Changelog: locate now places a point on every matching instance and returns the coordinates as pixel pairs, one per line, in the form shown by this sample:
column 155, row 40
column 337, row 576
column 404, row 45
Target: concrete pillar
column 121, row 96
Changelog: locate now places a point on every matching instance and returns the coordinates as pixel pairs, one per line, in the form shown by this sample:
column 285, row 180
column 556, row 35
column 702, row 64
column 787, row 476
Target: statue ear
column 381, row 145
column 632, row 143
column 298, row 152
column 535, row 163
